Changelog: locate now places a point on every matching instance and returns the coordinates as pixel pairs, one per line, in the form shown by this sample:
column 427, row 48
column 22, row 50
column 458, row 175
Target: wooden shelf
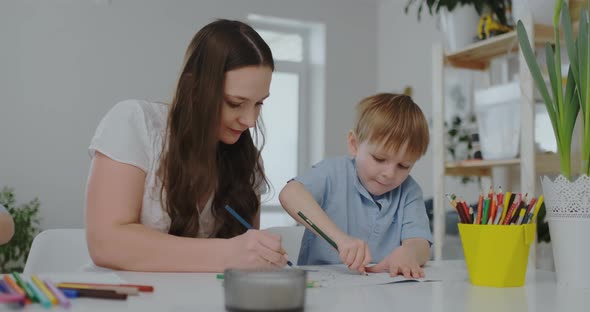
column 546, row 163
column 478, row 55
column 477, row 167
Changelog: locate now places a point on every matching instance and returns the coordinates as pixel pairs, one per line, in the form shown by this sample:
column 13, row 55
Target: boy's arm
column 294, row 198
column 6, row 226
column 353, row 252
column 420, row 247
column 416, row 233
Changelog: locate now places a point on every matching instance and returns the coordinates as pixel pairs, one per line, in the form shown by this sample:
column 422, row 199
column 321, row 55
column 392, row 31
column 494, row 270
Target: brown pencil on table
column 97, row 293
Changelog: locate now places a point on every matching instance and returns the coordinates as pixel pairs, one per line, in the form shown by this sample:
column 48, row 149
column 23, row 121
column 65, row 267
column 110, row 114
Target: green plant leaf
column 559, row 112
column 585, row 89
column 569, row 42
column 578, row 50
column 554, row 78
column 14, row 254
column 531, row 60
column 572, row 103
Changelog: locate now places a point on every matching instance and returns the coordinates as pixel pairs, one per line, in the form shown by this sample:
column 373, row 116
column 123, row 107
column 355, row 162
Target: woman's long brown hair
column 194, row 163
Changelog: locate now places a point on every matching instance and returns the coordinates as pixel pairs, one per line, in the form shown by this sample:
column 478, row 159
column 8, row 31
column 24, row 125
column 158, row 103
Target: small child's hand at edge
column 402, row 261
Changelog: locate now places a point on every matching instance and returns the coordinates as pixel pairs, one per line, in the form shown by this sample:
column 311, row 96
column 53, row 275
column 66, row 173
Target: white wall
column 405, row 59
column 64, row 63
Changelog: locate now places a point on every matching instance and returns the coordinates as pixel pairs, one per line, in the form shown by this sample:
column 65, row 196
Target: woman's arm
column 6, row 227
column 117, row 239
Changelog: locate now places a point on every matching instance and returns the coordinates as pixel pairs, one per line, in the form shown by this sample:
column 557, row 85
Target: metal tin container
column 269, row 290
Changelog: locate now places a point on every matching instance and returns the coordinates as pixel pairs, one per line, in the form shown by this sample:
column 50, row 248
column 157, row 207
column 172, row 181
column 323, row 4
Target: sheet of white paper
column 83, row 277
column 340, row 276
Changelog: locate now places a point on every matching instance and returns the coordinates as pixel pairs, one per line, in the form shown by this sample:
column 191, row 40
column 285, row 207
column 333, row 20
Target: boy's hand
column 402, row 261
column 354, row 253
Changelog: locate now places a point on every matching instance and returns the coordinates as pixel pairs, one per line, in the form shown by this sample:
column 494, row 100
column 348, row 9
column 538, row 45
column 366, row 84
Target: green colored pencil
column 317, row 229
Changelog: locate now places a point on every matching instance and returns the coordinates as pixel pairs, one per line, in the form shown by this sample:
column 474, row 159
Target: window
column 285, row 115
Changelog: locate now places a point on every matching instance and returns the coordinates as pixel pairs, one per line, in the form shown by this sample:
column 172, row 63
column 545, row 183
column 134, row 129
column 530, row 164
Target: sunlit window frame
column 302, row 69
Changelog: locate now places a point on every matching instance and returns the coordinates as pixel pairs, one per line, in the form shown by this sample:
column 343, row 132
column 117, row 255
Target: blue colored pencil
column 244, row 223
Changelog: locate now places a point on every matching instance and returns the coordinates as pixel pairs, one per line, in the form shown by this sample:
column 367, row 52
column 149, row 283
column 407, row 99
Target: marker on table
column 26, row 287
column 11, row 298
column 61, row 296
column 10, row 284
column 43, row 299
column 244, row 223
column 95, row 293
column 41, row 286
column 132, row 291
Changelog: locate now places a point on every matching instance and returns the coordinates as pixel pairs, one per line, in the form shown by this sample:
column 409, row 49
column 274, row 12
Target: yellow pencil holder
column 497, row 255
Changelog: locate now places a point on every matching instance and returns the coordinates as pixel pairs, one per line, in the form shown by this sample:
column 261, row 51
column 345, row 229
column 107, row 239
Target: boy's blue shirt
column 335, row 185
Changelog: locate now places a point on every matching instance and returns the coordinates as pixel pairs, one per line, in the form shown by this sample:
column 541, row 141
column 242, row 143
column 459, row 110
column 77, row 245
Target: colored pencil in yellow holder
column 497, row 255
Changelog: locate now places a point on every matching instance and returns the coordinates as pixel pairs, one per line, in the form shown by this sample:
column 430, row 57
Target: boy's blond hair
column 392, row 120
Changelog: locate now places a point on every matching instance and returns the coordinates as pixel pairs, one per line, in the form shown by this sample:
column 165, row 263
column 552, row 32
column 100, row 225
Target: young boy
column 368, row 204
column 6, row 226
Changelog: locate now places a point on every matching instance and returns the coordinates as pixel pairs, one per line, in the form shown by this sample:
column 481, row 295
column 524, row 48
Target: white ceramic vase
column 568, row 213
column 540, row 10
column 459, row 27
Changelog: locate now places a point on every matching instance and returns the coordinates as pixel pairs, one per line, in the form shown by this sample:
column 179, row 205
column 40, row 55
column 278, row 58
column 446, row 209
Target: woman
column 161, row 174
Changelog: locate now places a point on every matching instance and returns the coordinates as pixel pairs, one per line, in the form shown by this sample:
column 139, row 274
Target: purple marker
column 63, row 301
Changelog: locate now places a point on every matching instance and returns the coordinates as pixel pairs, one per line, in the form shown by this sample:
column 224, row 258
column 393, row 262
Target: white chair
column 291, row 239
column 58, row 250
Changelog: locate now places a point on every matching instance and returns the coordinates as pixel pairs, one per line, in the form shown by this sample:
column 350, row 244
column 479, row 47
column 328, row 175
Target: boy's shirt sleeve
column 317, row 181
column 3, row 210
column 415, row 223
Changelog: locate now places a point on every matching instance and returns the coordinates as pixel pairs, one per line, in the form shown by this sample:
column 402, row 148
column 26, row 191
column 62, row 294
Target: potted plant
column 26, row 225
column 459, row 19
column 567, row 197
column 498, row 7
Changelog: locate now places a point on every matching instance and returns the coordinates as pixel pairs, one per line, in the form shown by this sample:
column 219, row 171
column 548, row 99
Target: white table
column 203, row 292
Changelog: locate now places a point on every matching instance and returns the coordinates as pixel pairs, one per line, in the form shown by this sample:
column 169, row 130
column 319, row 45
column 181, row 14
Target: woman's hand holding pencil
column 256, row 249
column 263, row 243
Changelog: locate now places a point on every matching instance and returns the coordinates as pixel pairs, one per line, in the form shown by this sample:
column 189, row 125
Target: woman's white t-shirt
column 132, row 132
